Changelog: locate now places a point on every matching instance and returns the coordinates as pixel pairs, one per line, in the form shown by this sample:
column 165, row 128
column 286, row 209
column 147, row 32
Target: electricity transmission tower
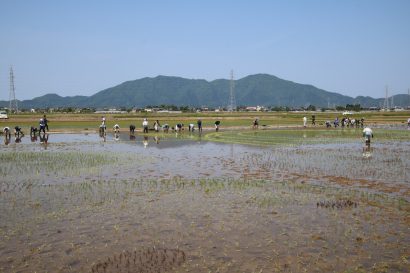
column 12, row 96
column 386, row 100
column 232, row 102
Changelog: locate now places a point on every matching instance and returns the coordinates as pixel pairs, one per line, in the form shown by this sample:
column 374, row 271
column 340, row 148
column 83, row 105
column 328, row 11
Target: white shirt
column 145, row 123
column 367, row 131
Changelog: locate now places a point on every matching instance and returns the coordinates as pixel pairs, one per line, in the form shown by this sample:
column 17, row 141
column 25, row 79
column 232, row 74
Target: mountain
column 259, row 89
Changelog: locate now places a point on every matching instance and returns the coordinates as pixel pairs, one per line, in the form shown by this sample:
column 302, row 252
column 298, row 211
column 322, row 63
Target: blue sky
column 353, row 47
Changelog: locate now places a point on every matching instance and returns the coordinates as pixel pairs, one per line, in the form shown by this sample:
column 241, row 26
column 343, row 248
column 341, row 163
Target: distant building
column 255, row 108
column 110, row 111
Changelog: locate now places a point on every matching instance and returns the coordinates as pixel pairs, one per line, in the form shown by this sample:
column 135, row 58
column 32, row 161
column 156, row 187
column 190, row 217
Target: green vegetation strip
column 299, row 137
column 29, row 163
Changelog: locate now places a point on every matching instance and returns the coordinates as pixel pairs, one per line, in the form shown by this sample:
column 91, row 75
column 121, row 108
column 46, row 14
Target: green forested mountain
column 260, row 89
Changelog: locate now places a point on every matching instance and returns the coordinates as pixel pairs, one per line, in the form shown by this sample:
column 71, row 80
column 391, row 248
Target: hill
column 259, row 89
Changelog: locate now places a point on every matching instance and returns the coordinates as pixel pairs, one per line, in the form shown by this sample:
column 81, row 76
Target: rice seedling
column 145, row 261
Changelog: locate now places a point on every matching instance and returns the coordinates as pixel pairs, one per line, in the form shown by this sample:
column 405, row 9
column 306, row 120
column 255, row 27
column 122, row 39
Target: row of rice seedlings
column 18, row 163
column 100, row 192
column 389, row 165
column 24, row 170
column 303, row 137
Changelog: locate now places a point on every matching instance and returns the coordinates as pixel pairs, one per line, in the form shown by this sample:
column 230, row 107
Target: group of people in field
column 179, row 127
column 43, row 128
column 34, row 132
column 347, row 122
column 344, row 122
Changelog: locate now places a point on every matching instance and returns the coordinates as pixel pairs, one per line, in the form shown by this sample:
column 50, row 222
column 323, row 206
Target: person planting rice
column 6, row 132
column 191, row 127
column 408, row 123
column 102, row 129
column 255, row 123
column 304, row 122
column 313, row 120
column 367, row 134
column 199, row 123
column 328, row 125
column 145, row 125
column 165, row 128
column 18, row 132
column 179, row 127
column 132, row 129
column 33, row 131
column 336, row 122
column 116, row 128
column 217, row 123
column 156, row 126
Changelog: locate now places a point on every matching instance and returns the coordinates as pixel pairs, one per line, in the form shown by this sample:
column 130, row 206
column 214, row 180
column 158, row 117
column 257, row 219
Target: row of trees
column 348, row 107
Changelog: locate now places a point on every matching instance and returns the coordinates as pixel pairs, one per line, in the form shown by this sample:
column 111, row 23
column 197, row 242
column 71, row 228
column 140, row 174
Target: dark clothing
column 42, row 126
column 45, row 123
column 199, row 123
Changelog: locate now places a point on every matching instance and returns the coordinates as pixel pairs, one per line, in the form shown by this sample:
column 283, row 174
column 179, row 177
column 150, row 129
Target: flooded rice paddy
column 180, row 203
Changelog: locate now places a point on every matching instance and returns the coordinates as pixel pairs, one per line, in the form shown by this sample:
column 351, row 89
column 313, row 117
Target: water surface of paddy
column 80, row 203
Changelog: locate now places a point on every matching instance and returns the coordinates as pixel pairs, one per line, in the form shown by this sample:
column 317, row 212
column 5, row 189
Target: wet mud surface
column 169, row 204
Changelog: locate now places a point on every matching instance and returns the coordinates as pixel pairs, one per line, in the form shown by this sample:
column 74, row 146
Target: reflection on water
column 17, row 139
column 6, row 140
column 44, row 140
column 33, row 138
column 367, row 151
column 145, row 141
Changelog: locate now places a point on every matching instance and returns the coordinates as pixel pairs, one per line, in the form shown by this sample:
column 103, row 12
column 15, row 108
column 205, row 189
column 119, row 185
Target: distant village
column 172, row 109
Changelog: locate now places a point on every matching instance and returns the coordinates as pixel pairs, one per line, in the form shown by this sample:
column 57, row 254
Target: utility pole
column 13, row 107
column 232, row 102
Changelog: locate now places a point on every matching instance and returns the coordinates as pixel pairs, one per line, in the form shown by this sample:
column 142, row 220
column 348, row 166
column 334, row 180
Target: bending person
column 367, row 134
